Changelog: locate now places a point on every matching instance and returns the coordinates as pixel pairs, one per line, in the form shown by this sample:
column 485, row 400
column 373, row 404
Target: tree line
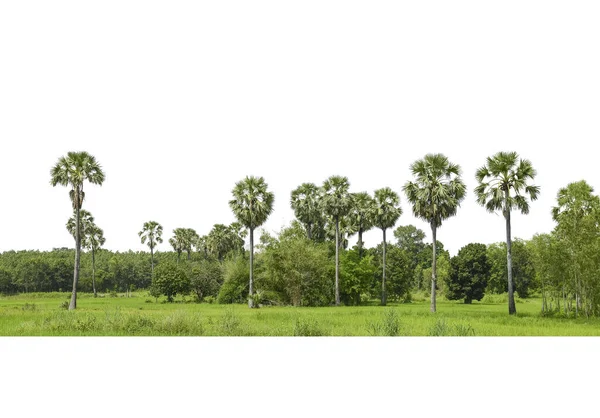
column 331, row 213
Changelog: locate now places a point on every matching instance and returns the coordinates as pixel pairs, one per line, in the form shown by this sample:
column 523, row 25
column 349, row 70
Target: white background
column 179, row 100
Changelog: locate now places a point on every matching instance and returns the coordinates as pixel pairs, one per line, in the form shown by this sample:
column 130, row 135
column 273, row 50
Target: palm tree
column 305, row 203
column 336, row 201
column 72, row 171
column 505, row 172
column 252, row 204
column 92, row 237
column 361, row 216
column 219, row 241
column 178, row 242
column 151, row 232
column 95, row 240
column 202, row 245
column 190, row 238
column 388, row 210
column 435, row 196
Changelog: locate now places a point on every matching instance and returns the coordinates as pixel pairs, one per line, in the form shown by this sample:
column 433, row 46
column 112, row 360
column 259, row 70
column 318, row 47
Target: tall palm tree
column 361, row 216
column 503, row 185
column 388, row 210
column 72, row 171
column 435, row 195
column 151, row 232
column 92, row 237
column 305, row 203
column 336, row 202
column 252, row 204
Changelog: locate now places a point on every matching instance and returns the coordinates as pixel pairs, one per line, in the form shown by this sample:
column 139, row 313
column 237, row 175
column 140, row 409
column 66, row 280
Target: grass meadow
column 43, row 314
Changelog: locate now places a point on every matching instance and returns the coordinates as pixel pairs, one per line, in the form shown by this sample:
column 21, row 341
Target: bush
column 308, row 327
column 389, row 325
column 206, row 279
column 235, row 286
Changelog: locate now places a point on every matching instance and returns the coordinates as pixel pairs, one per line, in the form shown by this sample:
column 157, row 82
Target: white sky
column 178, row 101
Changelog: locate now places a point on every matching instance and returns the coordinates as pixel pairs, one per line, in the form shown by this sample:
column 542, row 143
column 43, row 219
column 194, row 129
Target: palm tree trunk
column 433, row 267
column 383, row 293
column 73, row 303
column 189, row 255
column 94, row 271
column 151, row 262
column 512, row 309
column 337, row 261
column 250, row 292
column 309, row 231
column 360, row 242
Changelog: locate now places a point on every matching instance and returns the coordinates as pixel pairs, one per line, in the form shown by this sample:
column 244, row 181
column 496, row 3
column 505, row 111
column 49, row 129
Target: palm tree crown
column 151, row 232
column 503, row 173
column 73, row 170
column 387, row 209
column 252, row 203
column 305, row 203
column 437, row 191
column 336, row 200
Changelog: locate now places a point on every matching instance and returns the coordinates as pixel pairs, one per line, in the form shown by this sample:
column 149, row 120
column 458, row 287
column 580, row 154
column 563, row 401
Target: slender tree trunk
column 178, row 257
column 383, row 292
column 94, row 271
column 309, row 230
column 433, row 267
column 512, row 309
column 73, row 303
column 152, row 261
column 337, row 261
column 189, row 255
column 360, row 242
column 250, row 293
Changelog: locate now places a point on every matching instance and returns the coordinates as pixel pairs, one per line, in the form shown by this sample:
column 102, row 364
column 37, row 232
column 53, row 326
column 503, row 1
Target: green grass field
column 42, row 314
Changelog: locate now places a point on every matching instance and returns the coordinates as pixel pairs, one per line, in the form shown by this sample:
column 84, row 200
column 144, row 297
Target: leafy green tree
column 356, row 274
column 206, row 278
column 435, row 196
column 386, row 214
column 305, row 203
column 362, row 216
column 72, row 171
column 152, row 233
column 576, row 215
column 170, row 280
column 503, row 185
column 252, row 204
column 296, row 270
column 336, row 202
column 222, row 240
column 468, row 274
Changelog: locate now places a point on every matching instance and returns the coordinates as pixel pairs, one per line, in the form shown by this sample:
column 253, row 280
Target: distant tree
column 435, row 196
column 252, row 204
column 170, row 280
column 336, row 201
column 223, row 239
column 151, row 232
column 356, row 275
column 178, row 242
column 94, row 240
column 305, row 203
column 202, row 245
column 361, row 216
column 72, row 171
column 503, row 186
column 386, row 214
column 469, row 273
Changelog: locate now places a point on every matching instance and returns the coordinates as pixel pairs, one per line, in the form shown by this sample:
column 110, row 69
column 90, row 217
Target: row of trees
column 333, row 212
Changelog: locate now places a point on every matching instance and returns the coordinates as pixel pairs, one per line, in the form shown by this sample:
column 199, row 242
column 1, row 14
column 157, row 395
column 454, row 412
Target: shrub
column 389, row 325
column 439, row 329
column 308, row 327
column 235, row 286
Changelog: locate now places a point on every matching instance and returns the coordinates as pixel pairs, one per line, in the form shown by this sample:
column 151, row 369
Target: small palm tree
column 503, row 185
column 305, row 203
column 362, row 216
column 388, row 210
column 435, row 196
column 151, row 232
column 190, row 238
column 72, row 171
column 252, row 204
column 92, row 237
column 336, row 202
column 219, row 241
